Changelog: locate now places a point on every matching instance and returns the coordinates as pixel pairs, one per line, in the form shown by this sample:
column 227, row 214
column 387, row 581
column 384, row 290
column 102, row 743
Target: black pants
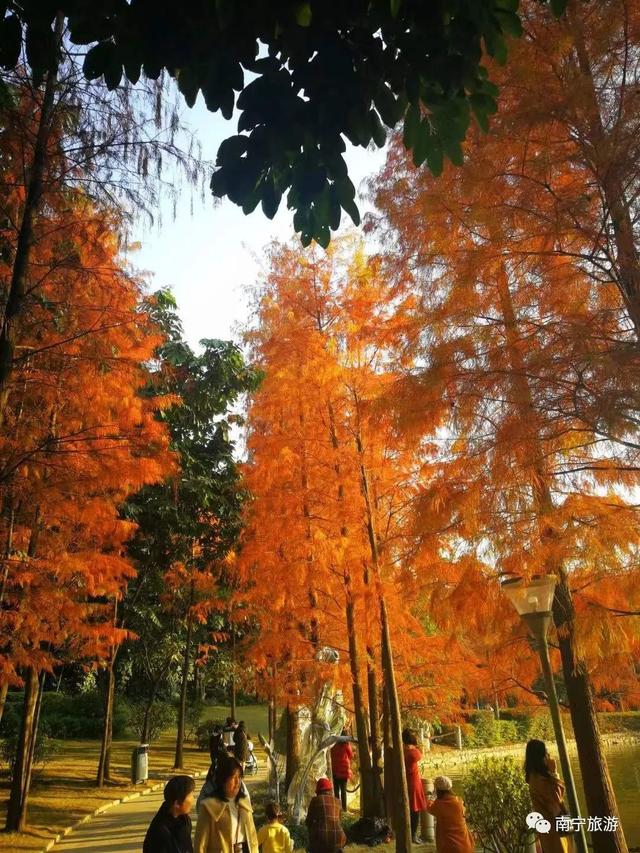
column 340, row 791
column 415, row 822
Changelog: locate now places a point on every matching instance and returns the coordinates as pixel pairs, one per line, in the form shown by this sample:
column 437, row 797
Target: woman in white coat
column 225, row 822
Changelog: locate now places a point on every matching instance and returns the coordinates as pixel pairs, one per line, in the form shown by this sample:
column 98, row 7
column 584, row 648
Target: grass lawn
column 256, row 717
column 63, row 792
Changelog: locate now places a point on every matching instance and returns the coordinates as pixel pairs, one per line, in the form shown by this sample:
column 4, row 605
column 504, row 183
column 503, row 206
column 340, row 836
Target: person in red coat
column 341, row 755
column 417, row 799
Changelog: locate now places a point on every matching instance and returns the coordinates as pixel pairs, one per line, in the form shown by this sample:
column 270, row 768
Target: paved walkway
column 121, row 829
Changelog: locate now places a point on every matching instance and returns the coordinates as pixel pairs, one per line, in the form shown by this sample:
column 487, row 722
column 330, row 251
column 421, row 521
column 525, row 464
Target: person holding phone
column 547, row 795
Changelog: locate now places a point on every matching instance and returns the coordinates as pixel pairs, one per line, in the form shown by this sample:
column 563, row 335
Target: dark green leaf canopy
column 303, row 75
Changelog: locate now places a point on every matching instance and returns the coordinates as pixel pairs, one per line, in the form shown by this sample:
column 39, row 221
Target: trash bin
column 140, row 763
column 427, row 826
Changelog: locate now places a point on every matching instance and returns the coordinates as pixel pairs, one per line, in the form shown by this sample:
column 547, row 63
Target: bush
column 487, row 731
column 204, row 732
column 498, row 802
column 68, row 717
column 46, row 747
column 161, row 716
column 619, row 721
column 299, row 835
column 81, row 717
column 192, row 718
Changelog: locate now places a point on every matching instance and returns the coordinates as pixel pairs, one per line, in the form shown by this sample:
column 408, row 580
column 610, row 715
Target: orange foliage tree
column 77, row 439
column 333, row 483
column 524, row 357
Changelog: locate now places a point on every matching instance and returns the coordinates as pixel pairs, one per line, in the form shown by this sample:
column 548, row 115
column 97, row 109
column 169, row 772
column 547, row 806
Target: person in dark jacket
column 323, row 820
column 216, row 745
column 241, row 744
column 170, row 830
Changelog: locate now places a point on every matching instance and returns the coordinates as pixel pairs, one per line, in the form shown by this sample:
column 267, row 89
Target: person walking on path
column 241, row 744
column 417, row 799
column 452, row 833
column 547, row 793
column 218, row 753
column 216, row 745
column 323, row 820
column 170, row 829
column 228, row 733
column 273, row 837
column 341, row 755
column 225, row 822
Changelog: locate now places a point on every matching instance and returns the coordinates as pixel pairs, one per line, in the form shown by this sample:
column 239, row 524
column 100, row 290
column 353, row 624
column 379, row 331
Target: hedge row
column 484, row 730
column 80, row 717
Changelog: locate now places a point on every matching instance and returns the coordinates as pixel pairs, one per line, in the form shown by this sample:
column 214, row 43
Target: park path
column 121, row 829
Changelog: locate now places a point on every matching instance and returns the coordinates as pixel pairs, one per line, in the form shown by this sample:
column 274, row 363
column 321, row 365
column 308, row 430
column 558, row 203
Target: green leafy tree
column 303, row 75
column 188, row 524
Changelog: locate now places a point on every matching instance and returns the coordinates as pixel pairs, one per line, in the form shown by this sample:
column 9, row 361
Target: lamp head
column 528, row 597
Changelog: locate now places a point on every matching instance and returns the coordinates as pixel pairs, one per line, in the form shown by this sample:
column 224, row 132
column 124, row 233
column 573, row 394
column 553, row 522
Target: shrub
column 487, row 731
column 82, row 716
column 541, row 727
column 619, row 721
column 498, row 802
column 69, row 716
column 192, row 718
column 299, row 835
column 161, row 716
column 204, row 732
column 46, row 747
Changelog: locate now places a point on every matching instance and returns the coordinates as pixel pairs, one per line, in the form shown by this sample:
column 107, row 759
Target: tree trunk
column 272, row 719
column 15, row 810
column 401, row 792
column 4, row 689
column 182, row 712
column 368, row 807
column 7, row 551
column 293, row 745
column 602, row 158
column 389, row 764
column 232, row 697
column 14, row 304
column 31, row 754
column 104, row 763
column 374, row 729
column 144, row 735
column 195, row 684
column 596, row 780
column 598, row 789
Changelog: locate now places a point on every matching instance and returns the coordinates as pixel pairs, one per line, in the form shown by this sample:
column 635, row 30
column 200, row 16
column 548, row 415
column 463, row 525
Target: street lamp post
column 533, row 601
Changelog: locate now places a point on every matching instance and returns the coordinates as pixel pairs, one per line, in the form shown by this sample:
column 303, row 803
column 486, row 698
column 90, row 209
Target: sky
column 210, row 258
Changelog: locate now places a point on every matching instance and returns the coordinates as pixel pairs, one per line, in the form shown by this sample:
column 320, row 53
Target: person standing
column 417, row 799
column 170, row 829
column 218, row 753
column 225, row 822
column 216, row 745
column 547, row 795
column 228, row 732
column 241, row 744
column 324, row 820
column 341, row 755
column 452, row 833
column 273, row 837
